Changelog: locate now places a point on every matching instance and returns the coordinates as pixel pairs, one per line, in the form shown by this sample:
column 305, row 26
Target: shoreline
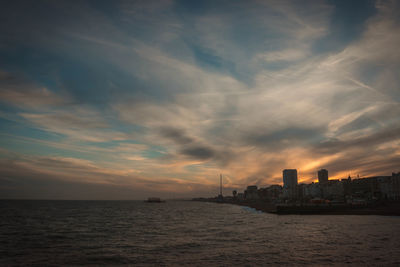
column 383, row 209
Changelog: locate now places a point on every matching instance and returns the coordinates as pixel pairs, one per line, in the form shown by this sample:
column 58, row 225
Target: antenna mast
column 220, row 184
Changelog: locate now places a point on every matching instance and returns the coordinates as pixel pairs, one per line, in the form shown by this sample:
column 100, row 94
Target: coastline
column 383, row 209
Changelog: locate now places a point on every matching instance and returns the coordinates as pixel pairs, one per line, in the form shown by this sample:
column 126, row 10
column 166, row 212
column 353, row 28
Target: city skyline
column 131, row 99
column 347, row 191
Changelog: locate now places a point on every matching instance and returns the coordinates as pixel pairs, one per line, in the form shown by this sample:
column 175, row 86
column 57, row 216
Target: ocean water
column 176, row 233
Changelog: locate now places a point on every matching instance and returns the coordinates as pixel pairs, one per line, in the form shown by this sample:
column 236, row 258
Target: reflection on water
column 192, row 233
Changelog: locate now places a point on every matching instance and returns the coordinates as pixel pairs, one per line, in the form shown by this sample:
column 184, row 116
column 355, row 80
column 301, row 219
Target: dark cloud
column 177, row 135
column 189, row 146
column 283, row 138
column 199, row 152
column 366, row 161
column 361, row 122
column 367, row 142
column 204, row 72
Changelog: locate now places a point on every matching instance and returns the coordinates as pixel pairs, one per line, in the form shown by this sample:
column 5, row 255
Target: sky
column 132, row 99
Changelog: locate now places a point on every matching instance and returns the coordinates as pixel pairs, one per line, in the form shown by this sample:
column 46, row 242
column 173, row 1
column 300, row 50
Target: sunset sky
column 131, row 99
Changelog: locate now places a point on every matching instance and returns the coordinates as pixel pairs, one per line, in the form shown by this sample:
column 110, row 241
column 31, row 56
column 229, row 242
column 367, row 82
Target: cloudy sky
column 130, row 99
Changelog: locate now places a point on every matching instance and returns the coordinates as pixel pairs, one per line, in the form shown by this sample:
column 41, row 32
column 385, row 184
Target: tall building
column 289, row 178
column 323, row 176
column 290, row 183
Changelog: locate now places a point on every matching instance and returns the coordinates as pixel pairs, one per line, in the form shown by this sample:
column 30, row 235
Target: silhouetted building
column 395, row 186
column 300, row 191
column 323, row 176
column 312, row 190
column 251, row 192
column 347, row 190
column 289, row 178
column 366, row 188
column 270, row 193
column 290, row 183
column 333, row 190
column 274, row 191
column 361, row 190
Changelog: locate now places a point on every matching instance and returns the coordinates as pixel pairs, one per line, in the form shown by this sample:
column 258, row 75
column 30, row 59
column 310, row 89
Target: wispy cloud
column 24, row 94
column 160, row 96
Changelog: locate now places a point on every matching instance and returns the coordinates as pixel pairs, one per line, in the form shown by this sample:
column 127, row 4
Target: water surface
column 188, row 233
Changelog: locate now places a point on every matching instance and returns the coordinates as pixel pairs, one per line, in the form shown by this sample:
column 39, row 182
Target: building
column 333, row 190
column 274, row 191
column 290, row 183
column 347, row 190
column 289, row 178
column 358, row 191
column 384, row 186
column 270, row 193
column 312, row 190
column 365, row 188
column 389, row 186
column 395, row 186
column 251, row 192
column 323, row 176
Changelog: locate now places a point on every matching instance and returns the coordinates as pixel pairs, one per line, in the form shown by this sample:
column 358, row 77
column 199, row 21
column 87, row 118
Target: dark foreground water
column 188, row 233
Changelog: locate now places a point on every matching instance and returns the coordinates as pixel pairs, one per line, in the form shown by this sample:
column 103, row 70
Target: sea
column 188, row 233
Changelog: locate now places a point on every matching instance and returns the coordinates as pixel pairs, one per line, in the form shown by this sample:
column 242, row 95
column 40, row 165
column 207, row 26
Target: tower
column 220, row 198
column 323, row 176
column 289, row 178
column 220, row 185
column 290, row 183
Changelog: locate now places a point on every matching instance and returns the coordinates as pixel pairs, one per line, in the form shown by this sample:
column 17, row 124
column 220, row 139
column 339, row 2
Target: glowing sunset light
column 126, row 99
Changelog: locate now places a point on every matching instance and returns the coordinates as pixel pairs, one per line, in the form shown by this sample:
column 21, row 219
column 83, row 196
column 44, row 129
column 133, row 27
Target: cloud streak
column 162, row 97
